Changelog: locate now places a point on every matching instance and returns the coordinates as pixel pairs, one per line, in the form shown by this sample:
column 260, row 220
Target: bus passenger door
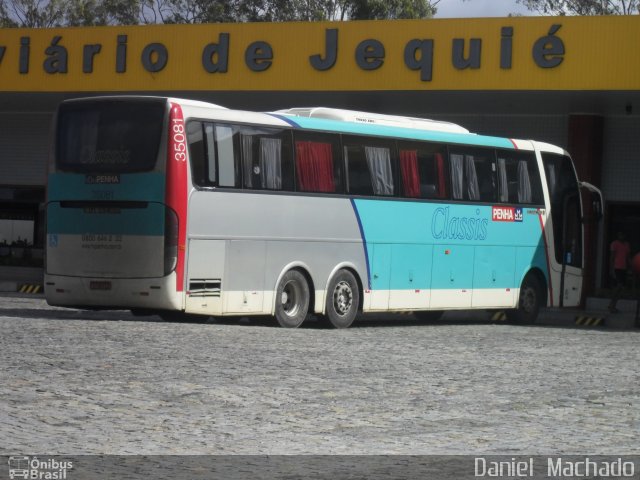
column 571, row 267
column 566, row 235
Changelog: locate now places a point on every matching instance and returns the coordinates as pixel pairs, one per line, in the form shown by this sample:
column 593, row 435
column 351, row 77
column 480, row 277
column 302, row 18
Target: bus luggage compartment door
column 244, row 281
column 452, row 276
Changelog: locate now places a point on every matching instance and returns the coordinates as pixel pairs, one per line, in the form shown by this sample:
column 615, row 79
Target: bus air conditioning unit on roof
column 374, row 119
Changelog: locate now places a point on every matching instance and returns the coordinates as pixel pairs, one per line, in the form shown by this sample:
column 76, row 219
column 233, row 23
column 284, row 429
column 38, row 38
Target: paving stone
column 81, row 382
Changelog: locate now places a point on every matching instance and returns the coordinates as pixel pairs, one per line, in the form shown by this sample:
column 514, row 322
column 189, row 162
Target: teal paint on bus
column 148, row 187
column 354, row 128
column 148, row 220
column 463, row 245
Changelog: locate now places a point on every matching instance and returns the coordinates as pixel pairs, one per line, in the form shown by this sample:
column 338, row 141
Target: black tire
column 428, row 315
column 343, row 300
column 529, row 302
column 292, row 299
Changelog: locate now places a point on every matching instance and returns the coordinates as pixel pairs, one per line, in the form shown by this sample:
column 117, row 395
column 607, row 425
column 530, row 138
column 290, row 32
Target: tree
column 190, row 11
column 582, row 7
column 5, row 18
column 392, row 9
column 102, row 12
column 285, row 10
column 69, row 13
column 57, row 13
column 32, row 13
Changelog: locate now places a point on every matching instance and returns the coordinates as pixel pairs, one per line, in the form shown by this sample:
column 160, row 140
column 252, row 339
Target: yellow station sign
column 523, row 53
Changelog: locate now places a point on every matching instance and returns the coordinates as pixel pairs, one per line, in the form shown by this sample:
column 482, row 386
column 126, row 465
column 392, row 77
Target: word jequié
column 370, row 54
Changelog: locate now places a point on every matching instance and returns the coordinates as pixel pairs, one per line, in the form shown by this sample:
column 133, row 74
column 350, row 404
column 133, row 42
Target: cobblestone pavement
column 77, row 382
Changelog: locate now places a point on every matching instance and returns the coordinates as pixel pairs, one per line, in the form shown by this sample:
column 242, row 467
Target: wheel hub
column 289, row 299
column 528, row 300
column 342, row 298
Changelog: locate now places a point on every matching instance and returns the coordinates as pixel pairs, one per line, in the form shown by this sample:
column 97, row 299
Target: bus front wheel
column 529, row 302
column 343, row 300
column 292, row 299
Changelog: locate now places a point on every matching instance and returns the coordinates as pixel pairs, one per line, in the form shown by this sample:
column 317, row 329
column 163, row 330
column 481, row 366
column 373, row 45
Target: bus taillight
column 170, row 241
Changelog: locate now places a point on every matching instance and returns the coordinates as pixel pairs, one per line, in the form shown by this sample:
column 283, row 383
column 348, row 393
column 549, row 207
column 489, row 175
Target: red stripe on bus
column 546, row 256
column 176, row 189
column 513, row 143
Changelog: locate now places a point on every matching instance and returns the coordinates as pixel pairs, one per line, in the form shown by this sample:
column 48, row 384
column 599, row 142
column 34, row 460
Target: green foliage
column 32, row 13
column 391, row 9
column 194, row 11
column 56, row 13
column 98, row 12
column 582, row 7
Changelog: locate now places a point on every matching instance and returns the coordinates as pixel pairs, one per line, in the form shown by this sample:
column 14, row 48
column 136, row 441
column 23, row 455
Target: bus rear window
column 109, row 136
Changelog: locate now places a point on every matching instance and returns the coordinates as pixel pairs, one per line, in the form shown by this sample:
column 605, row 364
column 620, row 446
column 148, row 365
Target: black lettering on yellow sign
column 548, row 51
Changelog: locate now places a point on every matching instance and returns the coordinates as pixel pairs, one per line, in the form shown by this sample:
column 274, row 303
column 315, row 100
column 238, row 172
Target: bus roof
column 346, row 121
column 195, row 103
column 356, row 123
column 375, row 119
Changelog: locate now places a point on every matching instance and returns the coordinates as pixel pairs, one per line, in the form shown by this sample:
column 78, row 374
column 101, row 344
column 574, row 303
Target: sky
column 479, row 8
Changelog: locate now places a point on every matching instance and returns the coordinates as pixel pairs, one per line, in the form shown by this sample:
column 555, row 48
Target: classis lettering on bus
column 445, row 226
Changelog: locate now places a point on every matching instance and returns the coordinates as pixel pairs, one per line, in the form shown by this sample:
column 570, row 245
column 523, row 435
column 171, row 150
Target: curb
column 31, row 288
column 589, row 321
column 8, row 286
column 499, row 317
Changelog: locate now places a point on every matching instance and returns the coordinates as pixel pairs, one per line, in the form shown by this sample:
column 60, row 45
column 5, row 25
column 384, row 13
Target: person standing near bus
column 620, row 253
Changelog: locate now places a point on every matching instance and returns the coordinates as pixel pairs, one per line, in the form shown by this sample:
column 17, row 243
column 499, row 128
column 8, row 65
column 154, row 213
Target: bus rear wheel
column 292, row 299
column 343, row 300
column 529, row 302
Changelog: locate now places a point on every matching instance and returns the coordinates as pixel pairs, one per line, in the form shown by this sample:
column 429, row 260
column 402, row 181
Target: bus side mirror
column 596, row 203
column 596, row 199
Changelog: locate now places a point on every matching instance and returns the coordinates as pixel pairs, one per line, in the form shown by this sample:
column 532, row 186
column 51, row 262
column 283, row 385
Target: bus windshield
column 109, row 136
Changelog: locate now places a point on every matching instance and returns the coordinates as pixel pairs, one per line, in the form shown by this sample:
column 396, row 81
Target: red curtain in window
column 442, row 185
column 314, row 167
column 410, row 174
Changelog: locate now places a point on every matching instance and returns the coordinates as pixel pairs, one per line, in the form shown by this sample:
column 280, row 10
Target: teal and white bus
column 182, row 207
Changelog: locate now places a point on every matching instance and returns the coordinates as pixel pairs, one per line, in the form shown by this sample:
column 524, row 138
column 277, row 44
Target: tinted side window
column 227, row 163
column 318, row 166
column 369, row 164
column 472, row 174
column 561, row 177
column 197, row 152
column 518, row 178
column 222, row 154
column 422, row 170
column 267, row 160
column 213, row 158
